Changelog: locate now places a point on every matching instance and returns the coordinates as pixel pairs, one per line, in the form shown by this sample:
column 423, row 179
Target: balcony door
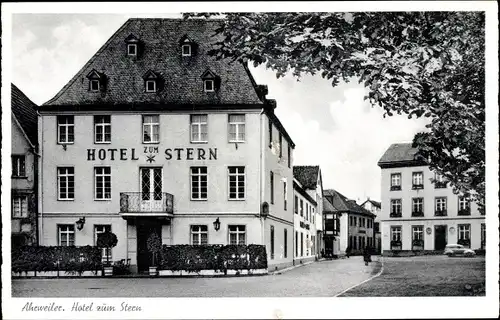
column 151, row 189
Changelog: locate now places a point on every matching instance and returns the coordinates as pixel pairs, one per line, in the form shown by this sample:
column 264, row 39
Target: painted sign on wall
column 125, row 154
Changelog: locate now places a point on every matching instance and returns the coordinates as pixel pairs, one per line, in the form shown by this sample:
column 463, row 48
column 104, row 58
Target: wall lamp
column 80, row 223
column 217, row 224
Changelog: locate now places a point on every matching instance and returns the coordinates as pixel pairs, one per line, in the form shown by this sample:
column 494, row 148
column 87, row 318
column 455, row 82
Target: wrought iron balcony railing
column 440, row 213
column 464, row 212
column 396, row 214
column 157, row 202
column 417, row 213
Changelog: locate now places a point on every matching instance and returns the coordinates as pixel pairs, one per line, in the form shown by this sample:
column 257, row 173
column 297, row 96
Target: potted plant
column 154, row 246
column 107, row 240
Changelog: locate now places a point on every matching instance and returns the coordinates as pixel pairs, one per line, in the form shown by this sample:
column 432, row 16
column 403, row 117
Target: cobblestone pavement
column 319, row 279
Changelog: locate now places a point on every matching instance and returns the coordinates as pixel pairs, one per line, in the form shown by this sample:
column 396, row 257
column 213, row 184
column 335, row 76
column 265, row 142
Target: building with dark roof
column 420, row 212
column 308, row 209
column 154, row 135
column 375, row 207
column 356, row 224
column 24, row 169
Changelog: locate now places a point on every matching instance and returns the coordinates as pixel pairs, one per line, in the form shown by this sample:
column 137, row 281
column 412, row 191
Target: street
column 319, row 279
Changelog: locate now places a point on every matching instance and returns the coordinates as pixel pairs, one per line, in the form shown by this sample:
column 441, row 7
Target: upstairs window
column 199, row 128
column 208, row 85
column 65, row 129
column 396, row 208
column 463, row 206
column 211, row 81
column 187, row 46
column 395, row 181
column 102, row 129
column 236, row 127
column 440, row 206
column 151, row 129
column 97, row 81
column 236, row 177
column 94, row 85
column 18, row 166
column 19, row 207
column 132, row 49
column 150, row 86
column 132, row 45
column 418, row 180
column 186, row 50
column 439, row 181
column 151, row 81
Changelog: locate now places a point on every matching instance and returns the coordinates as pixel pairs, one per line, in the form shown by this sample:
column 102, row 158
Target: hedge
column 212, row 257
column 69, row 259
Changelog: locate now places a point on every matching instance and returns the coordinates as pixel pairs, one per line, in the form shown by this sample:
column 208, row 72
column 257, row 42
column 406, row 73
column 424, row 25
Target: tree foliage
column 422, row 64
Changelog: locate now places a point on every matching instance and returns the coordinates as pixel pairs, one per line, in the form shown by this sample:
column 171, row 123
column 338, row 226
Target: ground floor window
column 296, row 243
column 301, row 244
column 237, row 234
column 66, row 235
column 396, row 237
column 272, row 242
column 19, row 207
column 464, row 234
column 98, row 229
column 199, row 234
column 417, row 237
column 285, row 246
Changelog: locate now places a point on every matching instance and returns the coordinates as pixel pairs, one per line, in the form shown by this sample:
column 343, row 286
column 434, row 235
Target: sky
column 332, row 127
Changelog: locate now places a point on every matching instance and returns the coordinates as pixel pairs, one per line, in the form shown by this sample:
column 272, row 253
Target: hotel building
column 24, row 169
column 153, row 135
column 420, row 211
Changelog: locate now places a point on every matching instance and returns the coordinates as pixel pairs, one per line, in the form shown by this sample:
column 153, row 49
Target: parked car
column 452, row 250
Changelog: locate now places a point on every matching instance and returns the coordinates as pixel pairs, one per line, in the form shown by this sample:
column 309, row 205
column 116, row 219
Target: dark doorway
column 144, row 229
column 439, row 237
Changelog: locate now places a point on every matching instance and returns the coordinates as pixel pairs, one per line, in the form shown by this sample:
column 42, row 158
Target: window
column 236, row 183
column 65, row 129
column 396, row 233
column 209, row 85
column 440, row 209
column 418, row 180
column 199, row 235
column 150, row 85
column 307, row 211
column 132, row 49
column 271, row 177
column 396, row 208
column 296, row 243
column 102, row 183
column 94, row 85
column 439, row 181
column 296, row 205
column 272, row 242
column 19, row 207
column 199, row 128
column 199, row 183
column 417, row 207
column 98, row 229
column 102, row 129
column 285, row 192
column 18, row 166
column 236, row 128
column 418, row 233
column 396, row 181
column 66, row 235
column 483, row 235
column 464, row 234
column 270, row 133
column 301, row 208
column 66, row 183
column 301, row 244
column 308, row 244
column 463, row 206
column 312, row 216
column 150, row 129
column 285, row 239
column 186, row 50
column 281, row 145
column 289, row 155
column 237, row 235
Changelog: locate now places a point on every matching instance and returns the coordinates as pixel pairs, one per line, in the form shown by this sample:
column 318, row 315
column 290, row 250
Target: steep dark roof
column 328, row 206
column 24, row 110
column 306, row 175
column 343, row 204
column 373, row 202
column 400, row 154
column 304, row 193
column 159, row 51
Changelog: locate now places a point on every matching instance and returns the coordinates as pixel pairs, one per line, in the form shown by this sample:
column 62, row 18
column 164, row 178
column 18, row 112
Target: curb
column 369, row 279
column 278, row 272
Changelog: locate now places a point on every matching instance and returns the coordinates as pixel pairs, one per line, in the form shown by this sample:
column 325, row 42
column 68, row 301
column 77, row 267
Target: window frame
column 199, row 232
column 198, row 174
column 271, row 242
column 467, row 231
column 132, row 45
column 396, row 214
column 396, row 187
column 21, row 198
column 205, row 85
column 417, row 213
column 285, row 196
column 146, row 86
column 103, row 176
column 238, row 125
column 67, row 127
column 103, row 125
column 271, row 186
column 91, row 87
column 68, row 232
column 466, row 210
column 399, row 232
column 151, row 126
column 18, row 162
column 199, row 125
column 183, row 53
column 237, row 232
column 414, row 178
column 237, row 175
column 66, row 175
column 441, row 212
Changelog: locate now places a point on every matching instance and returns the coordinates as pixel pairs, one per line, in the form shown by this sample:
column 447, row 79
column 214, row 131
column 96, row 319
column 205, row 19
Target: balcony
column 417, row 214
column 440, row 213
column 146, row 204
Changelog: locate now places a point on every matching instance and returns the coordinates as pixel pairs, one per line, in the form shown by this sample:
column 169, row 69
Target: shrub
column 213, row 257
column 106, row 240
column 69, row 259
column 154, row 246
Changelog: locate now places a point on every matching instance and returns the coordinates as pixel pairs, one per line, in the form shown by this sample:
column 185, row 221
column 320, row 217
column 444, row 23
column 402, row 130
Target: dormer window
column 152, row 81
column 188, row 46
column 209, row 85
column 150, row 86
column 186, row 50
column 211, row 81
column 97, row 81
column 132, row 49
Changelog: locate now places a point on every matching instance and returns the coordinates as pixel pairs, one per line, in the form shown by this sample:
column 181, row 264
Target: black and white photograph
column 161, row 159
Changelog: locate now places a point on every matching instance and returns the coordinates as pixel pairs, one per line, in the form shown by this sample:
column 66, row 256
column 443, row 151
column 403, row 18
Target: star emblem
column 150, row 158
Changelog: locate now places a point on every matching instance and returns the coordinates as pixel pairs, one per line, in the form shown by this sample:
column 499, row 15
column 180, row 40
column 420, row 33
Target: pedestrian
column 366, row 255
column 348, row 251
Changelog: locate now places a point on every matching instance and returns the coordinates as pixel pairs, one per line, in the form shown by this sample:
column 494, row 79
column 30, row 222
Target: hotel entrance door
column 144, row 230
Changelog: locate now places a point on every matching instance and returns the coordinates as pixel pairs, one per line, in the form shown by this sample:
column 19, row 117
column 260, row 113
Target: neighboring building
column 375, row 207
column 153, row 135
column 356, row 223
column 308, row 208
column 331, row 222
column 420, row 214
column 24, row 169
